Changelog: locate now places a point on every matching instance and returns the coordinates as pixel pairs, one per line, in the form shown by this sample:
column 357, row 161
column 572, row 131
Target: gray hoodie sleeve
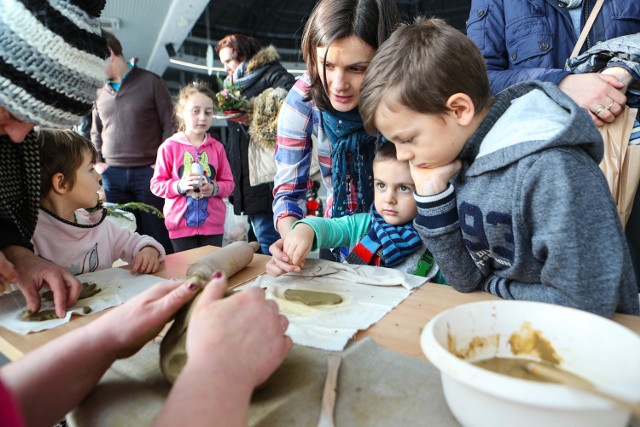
column 438, row 225
column 568, row 245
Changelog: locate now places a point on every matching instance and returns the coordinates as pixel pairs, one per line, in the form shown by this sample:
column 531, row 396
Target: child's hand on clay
column 298, row 243
column 433, row 180
column 147, row 261
column 279, row 263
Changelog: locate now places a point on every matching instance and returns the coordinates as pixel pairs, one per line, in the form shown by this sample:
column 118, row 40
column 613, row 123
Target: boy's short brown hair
column 420, row 66
column 386, row 151
column 62, row 151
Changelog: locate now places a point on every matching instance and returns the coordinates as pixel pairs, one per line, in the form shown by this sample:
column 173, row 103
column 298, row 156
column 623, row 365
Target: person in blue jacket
column 532, row 40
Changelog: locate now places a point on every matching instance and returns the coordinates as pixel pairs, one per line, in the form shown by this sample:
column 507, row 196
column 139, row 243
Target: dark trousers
column 265, row 232
column 632, row 231
column 123, row 185
column 192, row 242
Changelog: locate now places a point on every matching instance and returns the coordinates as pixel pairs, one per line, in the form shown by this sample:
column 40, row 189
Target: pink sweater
column 92, row 244
column 184, row 214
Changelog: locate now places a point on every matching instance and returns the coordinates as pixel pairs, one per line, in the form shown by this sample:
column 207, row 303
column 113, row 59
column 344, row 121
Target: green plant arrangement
column 230, row 100
column 114, row 210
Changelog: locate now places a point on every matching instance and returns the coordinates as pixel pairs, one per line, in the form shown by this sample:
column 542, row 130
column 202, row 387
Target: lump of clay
column 39, row 316
column 312, row 297
column 88, row 290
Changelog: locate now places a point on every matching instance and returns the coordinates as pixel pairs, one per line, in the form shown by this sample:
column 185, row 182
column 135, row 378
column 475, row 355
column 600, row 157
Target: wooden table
column 398, row 331
column 13, row 345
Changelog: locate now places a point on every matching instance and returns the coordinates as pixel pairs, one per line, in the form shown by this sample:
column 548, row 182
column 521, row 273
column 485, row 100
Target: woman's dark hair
column 243, row 47
column 373, row 21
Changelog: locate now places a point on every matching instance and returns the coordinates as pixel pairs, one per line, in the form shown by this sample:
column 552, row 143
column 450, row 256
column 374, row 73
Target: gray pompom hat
column 52, row 59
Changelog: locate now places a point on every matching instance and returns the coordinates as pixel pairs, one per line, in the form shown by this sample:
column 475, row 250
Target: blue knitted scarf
column 245, row 79
column 396, row 241
column 352, row 151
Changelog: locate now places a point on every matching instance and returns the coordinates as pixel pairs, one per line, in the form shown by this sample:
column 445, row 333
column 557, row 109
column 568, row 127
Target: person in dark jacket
column 532, row 40
column 251, row 138
column 48, row 80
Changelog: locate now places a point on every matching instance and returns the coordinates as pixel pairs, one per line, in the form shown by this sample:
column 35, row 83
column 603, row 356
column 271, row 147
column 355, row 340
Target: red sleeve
column 9, row 411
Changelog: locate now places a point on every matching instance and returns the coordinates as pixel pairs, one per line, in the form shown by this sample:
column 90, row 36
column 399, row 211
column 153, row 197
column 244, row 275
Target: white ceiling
column 144, row 27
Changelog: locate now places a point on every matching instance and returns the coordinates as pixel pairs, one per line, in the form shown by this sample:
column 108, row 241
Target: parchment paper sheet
column 368, row 293
column 117, row 284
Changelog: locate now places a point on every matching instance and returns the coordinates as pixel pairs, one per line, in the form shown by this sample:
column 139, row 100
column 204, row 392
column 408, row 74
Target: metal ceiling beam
column 181, row 18
column 295, row 68
column 213, row 42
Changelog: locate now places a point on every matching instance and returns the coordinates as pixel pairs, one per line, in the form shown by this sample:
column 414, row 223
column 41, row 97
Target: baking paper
column 117, row 284
column 368, row 293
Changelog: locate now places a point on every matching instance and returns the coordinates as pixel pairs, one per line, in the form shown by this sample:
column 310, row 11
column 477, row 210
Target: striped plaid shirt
column 298, row 123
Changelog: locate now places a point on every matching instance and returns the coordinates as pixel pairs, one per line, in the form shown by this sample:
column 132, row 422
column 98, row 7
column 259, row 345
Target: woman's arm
column 226, row 363
column 293, row 156
column 51, row 380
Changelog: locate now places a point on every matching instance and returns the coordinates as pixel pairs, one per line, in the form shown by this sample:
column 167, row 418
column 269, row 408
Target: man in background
column 132, row 116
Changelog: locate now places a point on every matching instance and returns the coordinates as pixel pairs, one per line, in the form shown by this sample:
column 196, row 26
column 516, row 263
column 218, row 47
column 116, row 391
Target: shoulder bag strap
column 587, row 28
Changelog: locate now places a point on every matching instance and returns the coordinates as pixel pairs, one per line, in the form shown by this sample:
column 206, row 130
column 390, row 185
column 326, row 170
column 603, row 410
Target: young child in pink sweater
column 192, row 173
column 66, row 233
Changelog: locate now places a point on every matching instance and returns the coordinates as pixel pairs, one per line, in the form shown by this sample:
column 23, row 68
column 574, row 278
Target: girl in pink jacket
column 192, row 173
column 69, row 235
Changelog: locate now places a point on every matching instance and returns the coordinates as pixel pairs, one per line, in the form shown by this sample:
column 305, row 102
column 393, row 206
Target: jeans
column 123, row 185
column 262, row 225
column 192, row 242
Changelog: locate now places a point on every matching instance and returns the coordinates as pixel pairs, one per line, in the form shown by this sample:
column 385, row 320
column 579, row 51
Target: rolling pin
column 230, row 260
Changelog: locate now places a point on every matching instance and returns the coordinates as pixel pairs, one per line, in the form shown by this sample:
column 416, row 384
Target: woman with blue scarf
column 339, row 41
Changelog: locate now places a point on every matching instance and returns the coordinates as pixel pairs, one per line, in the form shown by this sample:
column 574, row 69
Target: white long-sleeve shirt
column 94, row 243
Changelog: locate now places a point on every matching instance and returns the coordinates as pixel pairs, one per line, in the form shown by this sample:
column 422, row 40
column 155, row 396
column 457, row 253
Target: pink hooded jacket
column 187, row 214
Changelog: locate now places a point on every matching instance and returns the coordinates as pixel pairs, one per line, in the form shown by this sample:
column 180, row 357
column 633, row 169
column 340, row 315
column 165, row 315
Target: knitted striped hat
column 52, row 59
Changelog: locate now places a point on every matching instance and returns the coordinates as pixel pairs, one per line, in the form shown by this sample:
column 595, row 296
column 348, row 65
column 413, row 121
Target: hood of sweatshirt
column 527, row 118
column 181, row 138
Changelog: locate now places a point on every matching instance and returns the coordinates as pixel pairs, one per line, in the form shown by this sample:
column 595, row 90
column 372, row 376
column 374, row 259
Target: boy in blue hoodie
column 510, row 197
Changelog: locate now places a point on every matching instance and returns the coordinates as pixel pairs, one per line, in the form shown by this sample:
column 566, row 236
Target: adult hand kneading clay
column 228, row 260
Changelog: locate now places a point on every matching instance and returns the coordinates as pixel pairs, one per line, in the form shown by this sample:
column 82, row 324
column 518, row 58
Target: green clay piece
column 312, row 297
column 88, row 290
column 86, row 309
column 38, row 317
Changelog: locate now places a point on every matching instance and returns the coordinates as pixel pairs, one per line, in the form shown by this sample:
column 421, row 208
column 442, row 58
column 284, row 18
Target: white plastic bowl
column 595, row 348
